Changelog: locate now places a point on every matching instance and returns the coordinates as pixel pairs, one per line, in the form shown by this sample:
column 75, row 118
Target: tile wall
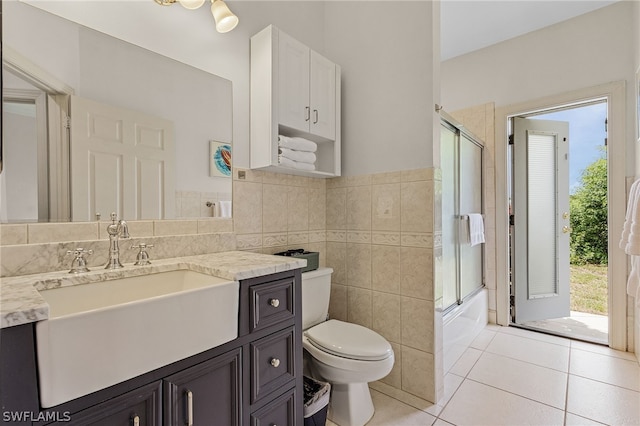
column 42, row 247
column 274, row 212
column 380, row 243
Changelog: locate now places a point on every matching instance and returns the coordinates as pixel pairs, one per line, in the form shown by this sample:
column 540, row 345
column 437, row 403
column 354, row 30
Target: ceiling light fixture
column 225, row 19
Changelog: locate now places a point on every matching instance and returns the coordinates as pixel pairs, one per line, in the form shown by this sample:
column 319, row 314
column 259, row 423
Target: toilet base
column 350, row 404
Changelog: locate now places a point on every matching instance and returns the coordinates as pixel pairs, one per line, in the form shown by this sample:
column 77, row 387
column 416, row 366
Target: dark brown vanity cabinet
column 253, row 380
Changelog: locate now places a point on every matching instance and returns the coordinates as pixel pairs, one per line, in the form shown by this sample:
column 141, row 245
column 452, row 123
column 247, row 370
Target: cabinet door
column 293, row 82
column 140, row 407
column 207, row 394
column 323, row 96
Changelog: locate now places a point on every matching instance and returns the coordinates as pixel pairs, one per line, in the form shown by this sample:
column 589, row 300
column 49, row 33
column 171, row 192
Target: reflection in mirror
column 118, row 74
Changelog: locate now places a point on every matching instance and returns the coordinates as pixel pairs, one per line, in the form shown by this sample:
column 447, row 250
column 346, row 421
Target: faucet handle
column 143, row 256
column 79, row 263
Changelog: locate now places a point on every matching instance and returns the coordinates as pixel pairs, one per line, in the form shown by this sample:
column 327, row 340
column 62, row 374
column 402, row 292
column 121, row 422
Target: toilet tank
column 316, row 289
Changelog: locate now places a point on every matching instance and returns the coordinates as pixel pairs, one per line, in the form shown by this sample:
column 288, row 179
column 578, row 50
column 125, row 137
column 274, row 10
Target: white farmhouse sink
column 103, row 333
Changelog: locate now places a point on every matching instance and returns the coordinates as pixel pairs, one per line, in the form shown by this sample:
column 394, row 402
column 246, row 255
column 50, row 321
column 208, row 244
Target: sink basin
column 103, row 333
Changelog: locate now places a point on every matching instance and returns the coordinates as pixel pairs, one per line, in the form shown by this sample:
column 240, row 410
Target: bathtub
column 461, row 325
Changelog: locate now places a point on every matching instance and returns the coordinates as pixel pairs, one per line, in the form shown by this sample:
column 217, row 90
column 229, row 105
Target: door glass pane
column 541, row 218
column 449, row 218
column 470, row 202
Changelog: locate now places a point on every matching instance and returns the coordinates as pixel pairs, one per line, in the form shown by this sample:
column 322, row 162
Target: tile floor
column 512, row 377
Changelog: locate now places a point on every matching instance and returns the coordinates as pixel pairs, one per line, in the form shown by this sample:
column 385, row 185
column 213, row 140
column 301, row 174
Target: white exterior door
column 541, row 220
column 121, row 161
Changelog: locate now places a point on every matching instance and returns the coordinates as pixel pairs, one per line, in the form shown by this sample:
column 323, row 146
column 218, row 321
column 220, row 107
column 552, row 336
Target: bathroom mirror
column 110, row 71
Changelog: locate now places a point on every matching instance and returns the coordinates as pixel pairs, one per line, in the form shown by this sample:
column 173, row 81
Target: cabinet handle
column 189, row 408
column 315, row 111
column 275, row 362
column 135, row 421
column 274, row 302
column 307, row 115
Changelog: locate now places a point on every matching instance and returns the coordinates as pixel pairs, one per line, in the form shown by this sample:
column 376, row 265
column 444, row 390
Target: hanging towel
column 633, row 282
column 301, row 156
column 633, row 240
column 287, row 162
column 223, row 209
column 628, row 219
column 476, row 229
column 299, row 144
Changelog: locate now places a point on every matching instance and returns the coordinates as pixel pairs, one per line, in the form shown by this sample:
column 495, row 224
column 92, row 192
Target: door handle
column 189, row 408
column 566, row 229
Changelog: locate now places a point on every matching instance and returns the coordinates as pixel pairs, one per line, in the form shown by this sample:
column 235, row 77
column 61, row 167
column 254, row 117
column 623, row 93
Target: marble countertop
column 21, row 303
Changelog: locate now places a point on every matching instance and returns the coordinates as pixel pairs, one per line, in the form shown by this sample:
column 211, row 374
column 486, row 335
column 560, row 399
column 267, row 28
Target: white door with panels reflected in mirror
column 122, row 161
column 540, row 209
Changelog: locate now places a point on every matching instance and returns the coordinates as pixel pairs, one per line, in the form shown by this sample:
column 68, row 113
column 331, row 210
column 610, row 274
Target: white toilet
column 346, row 355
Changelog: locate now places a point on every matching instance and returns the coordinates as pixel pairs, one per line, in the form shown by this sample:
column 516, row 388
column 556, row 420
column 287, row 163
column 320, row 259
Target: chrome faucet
column 118, row 229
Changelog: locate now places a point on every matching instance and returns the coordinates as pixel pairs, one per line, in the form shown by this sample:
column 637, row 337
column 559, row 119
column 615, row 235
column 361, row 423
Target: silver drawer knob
column 274, row 302
column 275, row 362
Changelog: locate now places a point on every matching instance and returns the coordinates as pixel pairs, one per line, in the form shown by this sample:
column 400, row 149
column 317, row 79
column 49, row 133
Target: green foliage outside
column 589, row 216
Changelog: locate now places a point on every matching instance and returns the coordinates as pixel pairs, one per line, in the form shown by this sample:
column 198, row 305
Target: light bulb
column 225, row 19
column 191, row 4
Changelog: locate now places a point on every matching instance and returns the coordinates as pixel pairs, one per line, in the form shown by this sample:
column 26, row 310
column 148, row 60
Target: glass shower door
column 461, row 164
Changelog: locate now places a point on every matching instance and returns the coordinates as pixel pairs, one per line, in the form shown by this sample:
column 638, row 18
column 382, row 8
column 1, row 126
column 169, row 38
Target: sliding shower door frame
column 461, row 133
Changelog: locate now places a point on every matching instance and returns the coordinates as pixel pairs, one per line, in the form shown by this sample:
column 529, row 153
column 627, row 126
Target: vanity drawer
column 272, row 363
column 271, row 303
column 281, row 411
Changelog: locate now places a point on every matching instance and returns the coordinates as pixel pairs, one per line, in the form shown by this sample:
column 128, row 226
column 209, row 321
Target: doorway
column 558, row 231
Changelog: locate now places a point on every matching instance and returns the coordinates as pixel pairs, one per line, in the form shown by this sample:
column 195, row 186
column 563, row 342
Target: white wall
column 388, row 83
column 592, row 49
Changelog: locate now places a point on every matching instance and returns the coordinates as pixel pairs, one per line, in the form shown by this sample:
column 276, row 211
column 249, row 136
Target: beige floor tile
column 604, row 368
column 573, row 420
column 482, row 341
column 391, row 412
column 602, row 402
column 477, row 404
column 451, row 385
column 521, row 378
column 466, row 362
column 534, row 351
column 441, row 422
column 603, row 350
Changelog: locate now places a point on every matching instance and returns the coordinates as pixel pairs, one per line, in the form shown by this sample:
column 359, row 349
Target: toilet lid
column 349, row 340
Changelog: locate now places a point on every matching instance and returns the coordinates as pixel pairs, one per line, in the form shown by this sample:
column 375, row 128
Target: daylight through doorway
column 585, row 222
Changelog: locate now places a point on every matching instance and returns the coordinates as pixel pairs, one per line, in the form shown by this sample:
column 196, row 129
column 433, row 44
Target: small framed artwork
column 219, row 159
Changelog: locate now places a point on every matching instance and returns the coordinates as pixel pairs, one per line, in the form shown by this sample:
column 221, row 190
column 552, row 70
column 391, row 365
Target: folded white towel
column 287, row 162
column 628, row 220
column 301, row 156
column 299, row 144
column 476, row 229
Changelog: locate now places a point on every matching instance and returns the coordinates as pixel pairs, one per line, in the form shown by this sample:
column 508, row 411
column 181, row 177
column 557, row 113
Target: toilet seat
column 349, row 340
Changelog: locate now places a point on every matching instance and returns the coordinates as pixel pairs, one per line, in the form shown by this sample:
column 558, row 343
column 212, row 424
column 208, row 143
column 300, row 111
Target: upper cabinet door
column 323, row 96
column 294, row 108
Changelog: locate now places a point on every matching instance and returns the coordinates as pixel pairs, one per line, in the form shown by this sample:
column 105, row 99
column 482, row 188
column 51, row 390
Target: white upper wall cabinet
column 294, row 92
